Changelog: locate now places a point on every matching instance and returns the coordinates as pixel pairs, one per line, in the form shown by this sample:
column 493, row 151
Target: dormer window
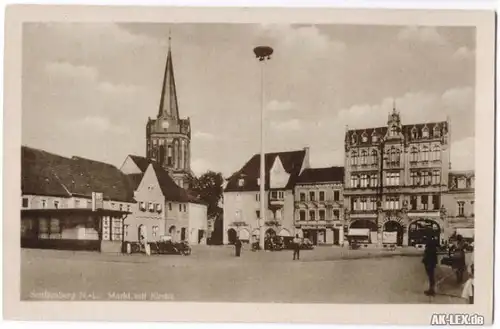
column 414, row 134
column 374, row 138
column 394, row 131
column 354, row 139
column 436, row 133
column 364, row 138
column 241, row 182
column 425, row 132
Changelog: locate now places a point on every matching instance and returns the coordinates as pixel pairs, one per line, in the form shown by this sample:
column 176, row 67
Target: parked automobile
column 163, row 246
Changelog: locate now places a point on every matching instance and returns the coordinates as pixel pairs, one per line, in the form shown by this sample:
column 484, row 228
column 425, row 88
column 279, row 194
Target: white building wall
column 197, row 222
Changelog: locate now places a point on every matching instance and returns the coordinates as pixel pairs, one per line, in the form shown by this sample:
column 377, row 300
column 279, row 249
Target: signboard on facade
column 389, row 237
column 97, row 201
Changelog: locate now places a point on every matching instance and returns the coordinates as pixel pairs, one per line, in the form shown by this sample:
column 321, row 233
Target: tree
column 208, row 188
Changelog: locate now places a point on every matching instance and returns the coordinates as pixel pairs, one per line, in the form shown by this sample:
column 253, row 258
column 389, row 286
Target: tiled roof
column 319, row 175
column 406, row 131
column 170, row 189
column 141, row 162
column 44, row 173
column 292, row 163
column 135, row 180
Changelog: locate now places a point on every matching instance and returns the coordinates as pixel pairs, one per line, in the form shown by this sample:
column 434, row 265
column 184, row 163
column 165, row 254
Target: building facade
column 459, row 204
column 242, row 196
column 395, row 177
column 168, row 137
column 319, row 205
column 163, row 208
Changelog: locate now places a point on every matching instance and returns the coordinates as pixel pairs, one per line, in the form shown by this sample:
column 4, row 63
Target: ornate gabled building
column 168, row 137
column 395, row 177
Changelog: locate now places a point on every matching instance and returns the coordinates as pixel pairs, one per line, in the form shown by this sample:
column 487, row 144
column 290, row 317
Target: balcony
column 277, row 198
column 327, row 203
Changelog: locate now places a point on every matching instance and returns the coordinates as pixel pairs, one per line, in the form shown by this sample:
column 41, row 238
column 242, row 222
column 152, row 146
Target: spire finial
column 393, row 105
column 169, row 38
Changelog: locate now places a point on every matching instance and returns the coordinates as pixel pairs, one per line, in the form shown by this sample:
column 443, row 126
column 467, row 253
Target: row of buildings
column 396, row 187
column 80, row 203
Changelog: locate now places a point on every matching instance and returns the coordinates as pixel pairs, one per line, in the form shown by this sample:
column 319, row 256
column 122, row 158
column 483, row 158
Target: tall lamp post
column 263, row 54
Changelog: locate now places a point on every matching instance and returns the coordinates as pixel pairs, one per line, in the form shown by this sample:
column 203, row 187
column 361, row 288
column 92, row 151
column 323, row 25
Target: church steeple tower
column 168, row 137
column 168, row 102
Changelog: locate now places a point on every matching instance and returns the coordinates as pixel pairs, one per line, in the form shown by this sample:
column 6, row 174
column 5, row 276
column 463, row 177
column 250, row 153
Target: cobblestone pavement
column 212, row 273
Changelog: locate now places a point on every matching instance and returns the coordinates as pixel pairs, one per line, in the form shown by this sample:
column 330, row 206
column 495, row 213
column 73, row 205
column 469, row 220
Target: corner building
column 395, row 177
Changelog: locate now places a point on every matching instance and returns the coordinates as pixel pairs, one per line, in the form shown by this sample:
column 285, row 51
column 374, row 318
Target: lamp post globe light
column 263, row 54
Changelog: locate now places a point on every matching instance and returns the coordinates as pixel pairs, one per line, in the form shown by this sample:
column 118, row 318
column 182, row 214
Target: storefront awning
column 359, row 232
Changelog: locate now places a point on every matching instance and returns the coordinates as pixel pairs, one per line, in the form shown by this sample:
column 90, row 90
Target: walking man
column 296, row 247
column 430, row 262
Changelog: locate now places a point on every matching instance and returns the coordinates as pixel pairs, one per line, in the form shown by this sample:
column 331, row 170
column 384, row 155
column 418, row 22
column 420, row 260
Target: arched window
column 414, row 134
column 364, row 138
column 364, row 157
column 414, row 154
column 425, row 132
column 425, row 153
column 354, row 158
column 436, row 152
column 374, row 157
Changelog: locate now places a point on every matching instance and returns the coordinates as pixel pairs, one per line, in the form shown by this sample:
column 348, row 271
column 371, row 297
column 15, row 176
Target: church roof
column 292, row 163
column 141, row 162
column 44, row 173
column 168, row 100
column 171, row 191
column 321, row 175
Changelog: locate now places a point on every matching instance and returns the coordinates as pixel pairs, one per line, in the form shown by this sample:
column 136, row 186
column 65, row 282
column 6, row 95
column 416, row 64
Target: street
column 213, row 274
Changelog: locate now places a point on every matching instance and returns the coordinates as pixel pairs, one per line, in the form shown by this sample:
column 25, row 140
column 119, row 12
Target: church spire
column 168, row 100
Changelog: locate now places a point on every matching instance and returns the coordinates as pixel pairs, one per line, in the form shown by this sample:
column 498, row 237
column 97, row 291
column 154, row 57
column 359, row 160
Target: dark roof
column 74, row 211
column 134, row 180
column 44, row 173
column 141, row 162
column 406, row 131
column 170, row 189
column 292, row 163
column 319, row 175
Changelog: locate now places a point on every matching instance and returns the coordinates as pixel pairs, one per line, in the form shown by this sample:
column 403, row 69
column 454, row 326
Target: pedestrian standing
column 237, row 245
column 468, row 292
column 459, row 259
column 430, row 263
column 296, row 247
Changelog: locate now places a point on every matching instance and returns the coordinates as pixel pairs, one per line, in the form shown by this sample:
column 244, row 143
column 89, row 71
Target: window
column 364, row 138
column 302, row 215
column 394, row 156
column 392, row 202
column 112, row 205
column 436, row 153
column 413, row 202
column 89, row 204
column 336, row 195
column 121, row 207
column 241, row 182
column 302, row 197
column 169, row 206
column 436, row 202
column 364, row 157
column 125, row 229
column 425, row 132
column 373, row 181
column 257, row 197
column 425, row 178
column 354, row 139
column 415, row 178
column 424, row 199
column 185, row 207
column 158, row 207
column 436, row 133
column 321, row 214
column 460, row 208
column 354, row 158
column 364, row 180
column 321, row 196
column 374, row 157
column 257, row 214
column 311, row 196
column 425, row 153
column 414, row 134
column 461, row 182
column 392, row 178
column 142, row 206
column 414, row 154
column 374, row 138
column 372, row 204
column 354, row 181
column 155, row 230
column 363, row 204
column 336, row 214
column 312, row 215
column 394, row 130
column 180, row 207
column 128, row 208
column 56, row 204
column 25, row 202
column 77, row 204
column 353, row 204
column 436, row 177
column 281, row 194
column 472, row 208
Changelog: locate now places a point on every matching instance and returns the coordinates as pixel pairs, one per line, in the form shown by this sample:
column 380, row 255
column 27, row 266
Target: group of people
column 296, row 247
column 458, row 264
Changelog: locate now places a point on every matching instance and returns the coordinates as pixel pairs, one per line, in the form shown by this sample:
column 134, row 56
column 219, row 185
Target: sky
column 88, row 89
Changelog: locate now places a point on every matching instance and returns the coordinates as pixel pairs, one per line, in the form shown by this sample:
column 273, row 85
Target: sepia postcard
column 249, row 165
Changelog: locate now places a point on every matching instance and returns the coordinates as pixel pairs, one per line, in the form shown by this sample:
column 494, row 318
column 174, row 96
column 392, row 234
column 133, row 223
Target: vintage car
column 164, row 246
